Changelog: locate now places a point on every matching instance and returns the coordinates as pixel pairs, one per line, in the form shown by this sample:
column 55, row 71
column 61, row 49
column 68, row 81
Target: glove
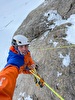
column 32, row 67
column 27, row 68
column 15, row 59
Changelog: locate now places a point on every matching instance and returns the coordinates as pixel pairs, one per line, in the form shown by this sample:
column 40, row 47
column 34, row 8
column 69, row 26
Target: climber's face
column 23, row 49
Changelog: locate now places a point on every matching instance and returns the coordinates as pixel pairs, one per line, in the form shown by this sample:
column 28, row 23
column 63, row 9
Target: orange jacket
column 9, row 75
column 7, row 82
column 27, row 59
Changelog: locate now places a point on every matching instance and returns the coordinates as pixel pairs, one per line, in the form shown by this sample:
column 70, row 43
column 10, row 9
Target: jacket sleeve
column 8, row 78
column 28, row 62
column 31, row 62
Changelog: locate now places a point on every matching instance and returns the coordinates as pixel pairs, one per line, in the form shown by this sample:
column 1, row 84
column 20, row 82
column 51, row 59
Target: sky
column 12, row 14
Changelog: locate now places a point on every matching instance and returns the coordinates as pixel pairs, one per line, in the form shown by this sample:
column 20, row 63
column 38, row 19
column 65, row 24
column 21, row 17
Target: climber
column 9, row 75
column 19, row 61
column 20, row 46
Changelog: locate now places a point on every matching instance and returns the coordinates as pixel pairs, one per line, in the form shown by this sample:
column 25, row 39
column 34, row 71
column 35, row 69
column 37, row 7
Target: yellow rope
column 59, row 47
column 47, row 85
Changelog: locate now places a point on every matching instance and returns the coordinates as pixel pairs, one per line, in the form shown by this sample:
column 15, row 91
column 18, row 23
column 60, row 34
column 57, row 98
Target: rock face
column 49, row 48
column 35, row 23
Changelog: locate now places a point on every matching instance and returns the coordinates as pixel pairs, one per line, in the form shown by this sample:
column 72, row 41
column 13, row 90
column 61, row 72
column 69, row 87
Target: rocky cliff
column 49, row 48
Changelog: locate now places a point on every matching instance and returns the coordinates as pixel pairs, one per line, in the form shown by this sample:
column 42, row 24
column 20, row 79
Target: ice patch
column 59, row 74
column 24, row 96
column 66, row 59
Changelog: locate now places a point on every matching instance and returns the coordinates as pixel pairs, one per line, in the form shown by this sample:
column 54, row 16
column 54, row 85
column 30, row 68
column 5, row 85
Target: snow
column 66, row 60
column 44, row 35
column 12, row 14
column 59, row 74
column 24, row 96
column 28, row 98
column 54, row 43
column 71, row 34
column 53, row 15
column 71, row 30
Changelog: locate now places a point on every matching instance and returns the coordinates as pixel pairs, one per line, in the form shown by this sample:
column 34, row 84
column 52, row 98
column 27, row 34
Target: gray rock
column 38, row 29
